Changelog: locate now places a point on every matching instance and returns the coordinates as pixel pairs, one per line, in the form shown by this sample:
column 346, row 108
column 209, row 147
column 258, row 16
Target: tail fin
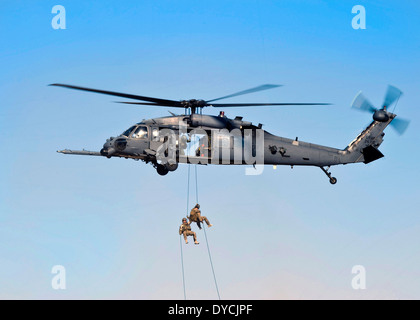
column 365, row 147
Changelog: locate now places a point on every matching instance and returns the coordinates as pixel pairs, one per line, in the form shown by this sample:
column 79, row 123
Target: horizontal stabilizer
column 370, row 154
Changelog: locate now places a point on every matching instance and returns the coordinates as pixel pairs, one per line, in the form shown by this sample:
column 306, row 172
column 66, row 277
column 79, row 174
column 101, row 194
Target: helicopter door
column 155, row 141
column 141, row 138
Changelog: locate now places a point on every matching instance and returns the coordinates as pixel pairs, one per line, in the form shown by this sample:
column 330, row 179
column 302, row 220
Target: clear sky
column 285, row 234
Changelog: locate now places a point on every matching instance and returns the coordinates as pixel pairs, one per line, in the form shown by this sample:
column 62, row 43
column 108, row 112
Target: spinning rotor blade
column 149, row 104
column 400, row 125
column 392, row 94
column 227, row 105
column 193, row 103
column 256, row 89
column 361, row 103
column 162, row 102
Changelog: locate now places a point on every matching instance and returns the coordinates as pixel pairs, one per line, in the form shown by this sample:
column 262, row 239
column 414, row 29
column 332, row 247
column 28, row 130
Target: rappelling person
column 195, row 216
column 185, row 229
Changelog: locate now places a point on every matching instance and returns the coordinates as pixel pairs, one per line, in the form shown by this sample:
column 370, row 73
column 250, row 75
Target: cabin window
column 128, row 131
column 140, row 133
column 155, row 134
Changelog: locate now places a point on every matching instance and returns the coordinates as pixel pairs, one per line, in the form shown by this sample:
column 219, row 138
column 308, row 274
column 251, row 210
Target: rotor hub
column 193, row 104
column 380, row 115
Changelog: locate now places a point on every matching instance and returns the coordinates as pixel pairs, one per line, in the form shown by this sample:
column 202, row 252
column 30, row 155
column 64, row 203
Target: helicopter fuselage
column 204, row 139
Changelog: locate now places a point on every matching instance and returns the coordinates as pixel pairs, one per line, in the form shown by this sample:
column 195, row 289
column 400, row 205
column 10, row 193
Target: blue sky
column 285, row 234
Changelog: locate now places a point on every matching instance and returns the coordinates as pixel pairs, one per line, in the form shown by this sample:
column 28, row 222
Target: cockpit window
column 127, row 133
column 140, row 133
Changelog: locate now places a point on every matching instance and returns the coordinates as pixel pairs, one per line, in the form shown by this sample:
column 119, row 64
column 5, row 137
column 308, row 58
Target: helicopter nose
column 108, row 150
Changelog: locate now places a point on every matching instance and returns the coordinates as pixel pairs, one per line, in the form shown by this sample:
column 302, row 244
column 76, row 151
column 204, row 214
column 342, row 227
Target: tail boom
column 365, row 147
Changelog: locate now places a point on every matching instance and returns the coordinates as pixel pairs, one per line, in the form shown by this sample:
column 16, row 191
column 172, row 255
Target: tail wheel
column 333, row 180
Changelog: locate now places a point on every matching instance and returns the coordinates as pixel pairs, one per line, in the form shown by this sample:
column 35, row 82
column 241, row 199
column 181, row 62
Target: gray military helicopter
column 192, row 137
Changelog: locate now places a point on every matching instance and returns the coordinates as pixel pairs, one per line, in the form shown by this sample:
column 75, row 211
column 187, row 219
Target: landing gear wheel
column 162, row 170
column 333, row 180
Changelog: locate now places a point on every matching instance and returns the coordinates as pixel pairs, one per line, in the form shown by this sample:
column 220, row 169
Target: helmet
column 197, row 206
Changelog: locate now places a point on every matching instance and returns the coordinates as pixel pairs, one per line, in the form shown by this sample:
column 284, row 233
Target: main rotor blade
column 361, row 103
column 400, row 125
column 228, row 105
column 150, row 104
column 163, row 102
column 391, row 95
column 256, row 89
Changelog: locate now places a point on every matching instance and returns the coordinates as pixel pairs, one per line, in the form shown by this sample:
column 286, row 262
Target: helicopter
column 197, row 138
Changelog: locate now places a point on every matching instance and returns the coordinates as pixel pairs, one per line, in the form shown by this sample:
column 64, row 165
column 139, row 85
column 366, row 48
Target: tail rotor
column 382, row 114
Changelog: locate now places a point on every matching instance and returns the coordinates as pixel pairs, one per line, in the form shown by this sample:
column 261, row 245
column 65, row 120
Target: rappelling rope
column 182, row 264
column 205, row 234
column 180, row 236
column 211, row 262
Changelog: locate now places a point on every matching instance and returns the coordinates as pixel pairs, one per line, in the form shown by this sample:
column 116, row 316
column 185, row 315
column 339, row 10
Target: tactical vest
column 194, row 214
column 185, row 228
